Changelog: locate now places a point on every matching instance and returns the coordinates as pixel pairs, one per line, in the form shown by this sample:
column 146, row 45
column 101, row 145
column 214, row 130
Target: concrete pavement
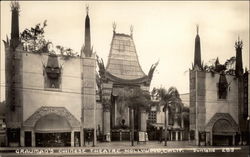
column 124, row 148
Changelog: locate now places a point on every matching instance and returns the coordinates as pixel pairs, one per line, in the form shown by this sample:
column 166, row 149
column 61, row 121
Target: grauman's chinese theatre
column 51, row 99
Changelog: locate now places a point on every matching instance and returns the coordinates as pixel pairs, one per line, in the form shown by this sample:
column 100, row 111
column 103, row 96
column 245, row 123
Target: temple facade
column 218, row 115
column 121, row 74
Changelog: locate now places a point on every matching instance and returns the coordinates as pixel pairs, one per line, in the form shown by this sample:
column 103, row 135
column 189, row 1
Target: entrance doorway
column 53, row 139
column 13, row 135
column 28, row 139
column 222, row 140
column 223, row 133
column 53, row 130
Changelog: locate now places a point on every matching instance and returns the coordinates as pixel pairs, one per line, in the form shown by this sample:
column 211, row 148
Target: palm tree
column 136, row 99
column 168, row 98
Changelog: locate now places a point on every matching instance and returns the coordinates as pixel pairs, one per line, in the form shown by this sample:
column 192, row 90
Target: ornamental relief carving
column 43, row 111
column 106, row 104
column 221, row 116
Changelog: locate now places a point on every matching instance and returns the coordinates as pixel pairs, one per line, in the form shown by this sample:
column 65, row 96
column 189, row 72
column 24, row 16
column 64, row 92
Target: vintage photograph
column 125, row 78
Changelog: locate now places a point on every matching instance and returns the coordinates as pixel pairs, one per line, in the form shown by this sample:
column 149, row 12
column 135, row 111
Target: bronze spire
column 197, row 51
column 238, row 66
column 87, row 40
column 14, row 41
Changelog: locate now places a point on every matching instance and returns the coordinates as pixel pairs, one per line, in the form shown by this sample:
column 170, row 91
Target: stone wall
column 192, row 100
column 13, row 77
column 36, row 95
column 215, row 105
column 207, row 97
column 88, row 66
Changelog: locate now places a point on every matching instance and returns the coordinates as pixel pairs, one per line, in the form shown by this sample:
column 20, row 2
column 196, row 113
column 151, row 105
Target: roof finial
column 87, row 9
column 114, row 26
column 238, row 38
column 14, row 4
column 197, row 29
column 131, row 30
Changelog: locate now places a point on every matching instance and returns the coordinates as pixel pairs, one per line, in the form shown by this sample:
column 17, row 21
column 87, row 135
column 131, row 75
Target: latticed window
column 152, row 116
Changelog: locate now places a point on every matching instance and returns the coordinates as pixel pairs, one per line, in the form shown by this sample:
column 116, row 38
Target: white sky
column 163, row 31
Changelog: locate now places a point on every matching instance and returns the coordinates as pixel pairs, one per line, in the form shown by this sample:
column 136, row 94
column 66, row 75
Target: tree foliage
column 214, row 66
column 168, row 98
column 137, row 98
column 66, row 52
column 33, row 38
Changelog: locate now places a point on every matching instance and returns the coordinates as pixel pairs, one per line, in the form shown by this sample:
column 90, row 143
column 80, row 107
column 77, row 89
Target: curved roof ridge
column 123, row 61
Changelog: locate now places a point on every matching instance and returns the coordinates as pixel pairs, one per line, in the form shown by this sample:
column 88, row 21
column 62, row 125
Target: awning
column 52, row 123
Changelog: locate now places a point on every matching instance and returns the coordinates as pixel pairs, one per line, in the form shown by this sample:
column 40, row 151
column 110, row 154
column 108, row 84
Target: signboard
column 143, row 136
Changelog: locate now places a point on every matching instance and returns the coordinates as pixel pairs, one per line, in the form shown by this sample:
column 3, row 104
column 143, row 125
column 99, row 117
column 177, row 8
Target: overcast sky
column 163, row 31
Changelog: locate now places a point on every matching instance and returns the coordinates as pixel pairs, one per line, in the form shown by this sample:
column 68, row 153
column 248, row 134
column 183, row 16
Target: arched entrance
column 53, row 131
column 52, row 127
column 221, row 130
column 223, row 133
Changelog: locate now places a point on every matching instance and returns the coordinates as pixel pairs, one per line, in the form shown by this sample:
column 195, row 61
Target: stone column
column 177, row 136
column 211, row 138
column 207, row 139
column 171, row 135
column 82, row 137
column 33, row 138
column 106, row 120
column 120, row 133
column 72, row 139
column 241, row 139
column 143, row 120
column 233, row 140
column 94, row 137
column 189, row 138
column 21, row 137
column 132, row 126
column 106, row 102
column 182, row 121
column 181, row 134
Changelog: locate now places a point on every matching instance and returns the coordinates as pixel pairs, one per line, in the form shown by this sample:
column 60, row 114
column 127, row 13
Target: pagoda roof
column 123, row 63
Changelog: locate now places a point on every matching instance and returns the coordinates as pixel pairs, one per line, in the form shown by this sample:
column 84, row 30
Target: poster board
column 143, row 136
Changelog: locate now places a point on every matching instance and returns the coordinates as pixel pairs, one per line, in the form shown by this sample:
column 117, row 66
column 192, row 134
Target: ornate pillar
column 143, row 120
column 82, row 137
column 177, row 136
column 233, row 140
column 106, row 120
column 182, row 121
column 106, row 102
column 189, row 138
column 21, row 137
column 171, row 135
column 211, row 138
column 182, row 126
column 132, row 126
column 72, row 139
column 33, row 138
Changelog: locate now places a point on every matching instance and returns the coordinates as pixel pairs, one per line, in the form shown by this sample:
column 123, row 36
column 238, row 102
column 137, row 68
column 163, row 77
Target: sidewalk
column 124, row 148
column 149, row 144
column 127, row 144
